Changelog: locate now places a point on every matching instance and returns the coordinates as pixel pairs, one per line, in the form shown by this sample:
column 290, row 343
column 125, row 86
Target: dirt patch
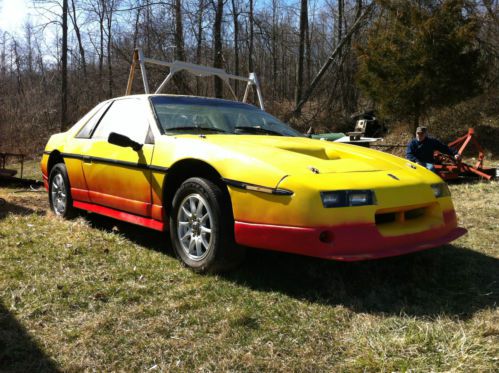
column 23, row 201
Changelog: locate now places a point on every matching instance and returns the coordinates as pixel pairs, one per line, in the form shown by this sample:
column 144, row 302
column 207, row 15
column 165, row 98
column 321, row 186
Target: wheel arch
column 54, row 158
column 185, row 169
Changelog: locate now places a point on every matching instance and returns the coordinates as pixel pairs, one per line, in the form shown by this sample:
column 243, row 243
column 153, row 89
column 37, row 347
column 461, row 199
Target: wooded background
column 417, row 61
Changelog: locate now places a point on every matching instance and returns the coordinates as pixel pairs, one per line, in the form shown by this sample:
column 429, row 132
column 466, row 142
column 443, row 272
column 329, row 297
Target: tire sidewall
column 213, row 196
column 60, row 168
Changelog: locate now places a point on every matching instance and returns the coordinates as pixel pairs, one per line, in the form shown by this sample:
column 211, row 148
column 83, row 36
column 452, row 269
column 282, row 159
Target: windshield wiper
column 210, row 129
column 257, row 129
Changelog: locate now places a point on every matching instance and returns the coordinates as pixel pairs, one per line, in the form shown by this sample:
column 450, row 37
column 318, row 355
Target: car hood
column 296, row 155
column 269, row 160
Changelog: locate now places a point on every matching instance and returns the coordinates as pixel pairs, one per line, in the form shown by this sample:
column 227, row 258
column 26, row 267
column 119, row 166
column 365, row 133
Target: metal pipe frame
column 197, row 70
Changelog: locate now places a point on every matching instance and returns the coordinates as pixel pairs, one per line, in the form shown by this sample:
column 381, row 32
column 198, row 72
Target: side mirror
column 124, row 141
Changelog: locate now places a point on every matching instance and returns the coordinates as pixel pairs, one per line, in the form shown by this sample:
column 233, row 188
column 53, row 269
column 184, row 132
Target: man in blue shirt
column 420, row 150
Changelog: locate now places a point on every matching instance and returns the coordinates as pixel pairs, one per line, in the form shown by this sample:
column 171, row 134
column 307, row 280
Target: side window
column 126, row 117
column 87, row 129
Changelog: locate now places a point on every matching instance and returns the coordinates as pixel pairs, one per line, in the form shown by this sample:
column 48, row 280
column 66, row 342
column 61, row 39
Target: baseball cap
column 421, row 129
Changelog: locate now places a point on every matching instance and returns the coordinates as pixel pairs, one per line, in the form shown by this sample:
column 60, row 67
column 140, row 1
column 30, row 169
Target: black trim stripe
column 158, row 168
column 73, row 156
column 257, row 188
column 115, row 162
column 87, row 158
column 234, row 183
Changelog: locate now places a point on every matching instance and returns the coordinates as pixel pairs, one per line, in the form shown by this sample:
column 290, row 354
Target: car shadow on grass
column 146, row 237
column 10, row 208
column 18, row 351
column 451, row 280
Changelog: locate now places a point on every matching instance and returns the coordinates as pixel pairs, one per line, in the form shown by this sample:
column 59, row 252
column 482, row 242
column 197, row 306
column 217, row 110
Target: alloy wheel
column 194, row 226
column 58, row 194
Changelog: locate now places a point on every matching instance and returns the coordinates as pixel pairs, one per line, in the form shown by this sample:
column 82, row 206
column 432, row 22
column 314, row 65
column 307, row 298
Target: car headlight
column 440, row 190
column 346, row 198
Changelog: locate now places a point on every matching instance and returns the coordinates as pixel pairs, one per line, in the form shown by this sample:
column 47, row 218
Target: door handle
column 87, row 159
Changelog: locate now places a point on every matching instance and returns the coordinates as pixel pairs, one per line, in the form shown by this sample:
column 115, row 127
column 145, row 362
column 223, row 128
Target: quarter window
column 92, row 119
column 126, row 117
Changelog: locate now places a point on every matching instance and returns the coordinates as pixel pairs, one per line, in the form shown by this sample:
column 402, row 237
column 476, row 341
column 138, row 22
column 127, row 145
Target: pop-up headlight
column 346, row 198
column 440, row 190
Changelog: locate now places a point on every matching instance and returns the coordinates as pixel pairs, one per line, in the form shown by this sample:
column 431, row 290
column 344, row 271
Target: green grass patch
column 96, row 294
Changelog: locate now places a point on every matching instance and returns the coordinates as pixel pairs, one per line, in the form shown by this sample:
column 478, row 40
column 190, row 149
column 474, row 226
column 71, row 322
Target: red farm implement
column 450, row 169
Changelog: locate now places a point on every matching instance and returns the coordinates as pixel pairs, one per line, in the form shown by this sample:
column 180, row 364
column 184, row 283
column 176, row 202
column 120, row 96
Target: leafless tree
column 64, row 65
column 301, row 50
column 304, row 53
column 235, row 19
column 74, row 21
column 217, row 41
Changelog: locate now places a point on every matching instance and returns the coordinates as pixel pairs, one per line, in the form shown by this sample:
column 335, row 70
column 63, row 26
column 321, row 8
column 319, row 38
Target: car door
column 120, row 177
column 74, row 149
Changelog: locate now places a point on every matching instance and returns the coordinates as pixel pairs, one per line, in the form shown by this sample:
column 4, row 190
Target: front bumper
column 351, row 242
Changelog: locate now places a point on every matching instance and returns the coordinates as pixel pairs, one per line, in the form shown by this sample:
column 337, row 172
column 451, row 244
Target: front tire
column 202, row 227
column 60, row 199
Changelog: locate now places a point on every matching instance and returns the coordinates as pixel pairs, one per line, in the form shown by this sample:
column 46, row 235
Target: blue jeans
column 430, row 166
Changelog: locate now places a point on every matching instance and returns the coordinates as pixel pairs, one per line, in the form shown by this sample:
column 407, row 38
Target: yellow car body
column 273, row 185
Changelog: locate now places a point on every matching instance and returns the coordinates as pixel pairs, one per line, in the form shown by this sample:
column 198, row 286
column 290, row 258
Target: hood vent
column 312, row 151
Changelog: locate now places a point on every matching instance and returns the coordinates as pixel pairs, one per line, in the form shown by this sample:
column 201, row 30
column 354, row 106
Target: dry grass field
column 94, row 294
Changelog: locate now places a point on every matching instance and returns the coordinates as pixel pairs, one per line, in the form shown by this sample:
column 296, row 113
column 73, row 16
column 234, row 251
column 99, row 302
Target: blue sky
column 14, row 13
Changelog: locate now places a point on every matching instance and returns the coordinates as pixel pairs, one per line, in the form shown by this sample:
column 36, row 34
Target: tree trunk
column 78, row 37
column 217, row 58
column 358, row 9
column 179, row 78
column 136, row 28
column 41, row 67
column 308, row 55
column 235, row 16
column 64, row 66
column 179, row 32
column 275, row 5
column 251, row 44
column 199, row 41
column 3, row 55
column 301, row 50
column 330, row 60
column 251, row 37
column 340, row 81
column 17, row 61
column 341, row 12
column 101, row 45
column 29, row 42
column 109, row 10
column 148, row 28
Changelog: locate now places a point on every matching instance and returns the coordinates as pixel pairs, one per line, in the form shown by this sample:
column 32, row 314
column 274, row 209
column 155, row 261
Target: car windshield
column 193, row 115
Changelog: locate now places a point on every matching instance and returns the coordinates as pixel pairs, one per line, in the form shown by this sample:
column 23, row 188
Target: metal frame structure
column 449, row 169
column 197, row 70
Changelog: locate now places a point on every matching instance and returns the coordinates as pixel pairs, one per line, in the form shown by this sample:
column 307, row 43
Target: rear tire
column 202, row 227
column 60, row 199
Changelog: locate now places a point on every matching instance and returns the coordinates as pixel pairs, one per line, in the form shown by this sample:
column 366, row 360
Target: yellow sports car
column 221, row 175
